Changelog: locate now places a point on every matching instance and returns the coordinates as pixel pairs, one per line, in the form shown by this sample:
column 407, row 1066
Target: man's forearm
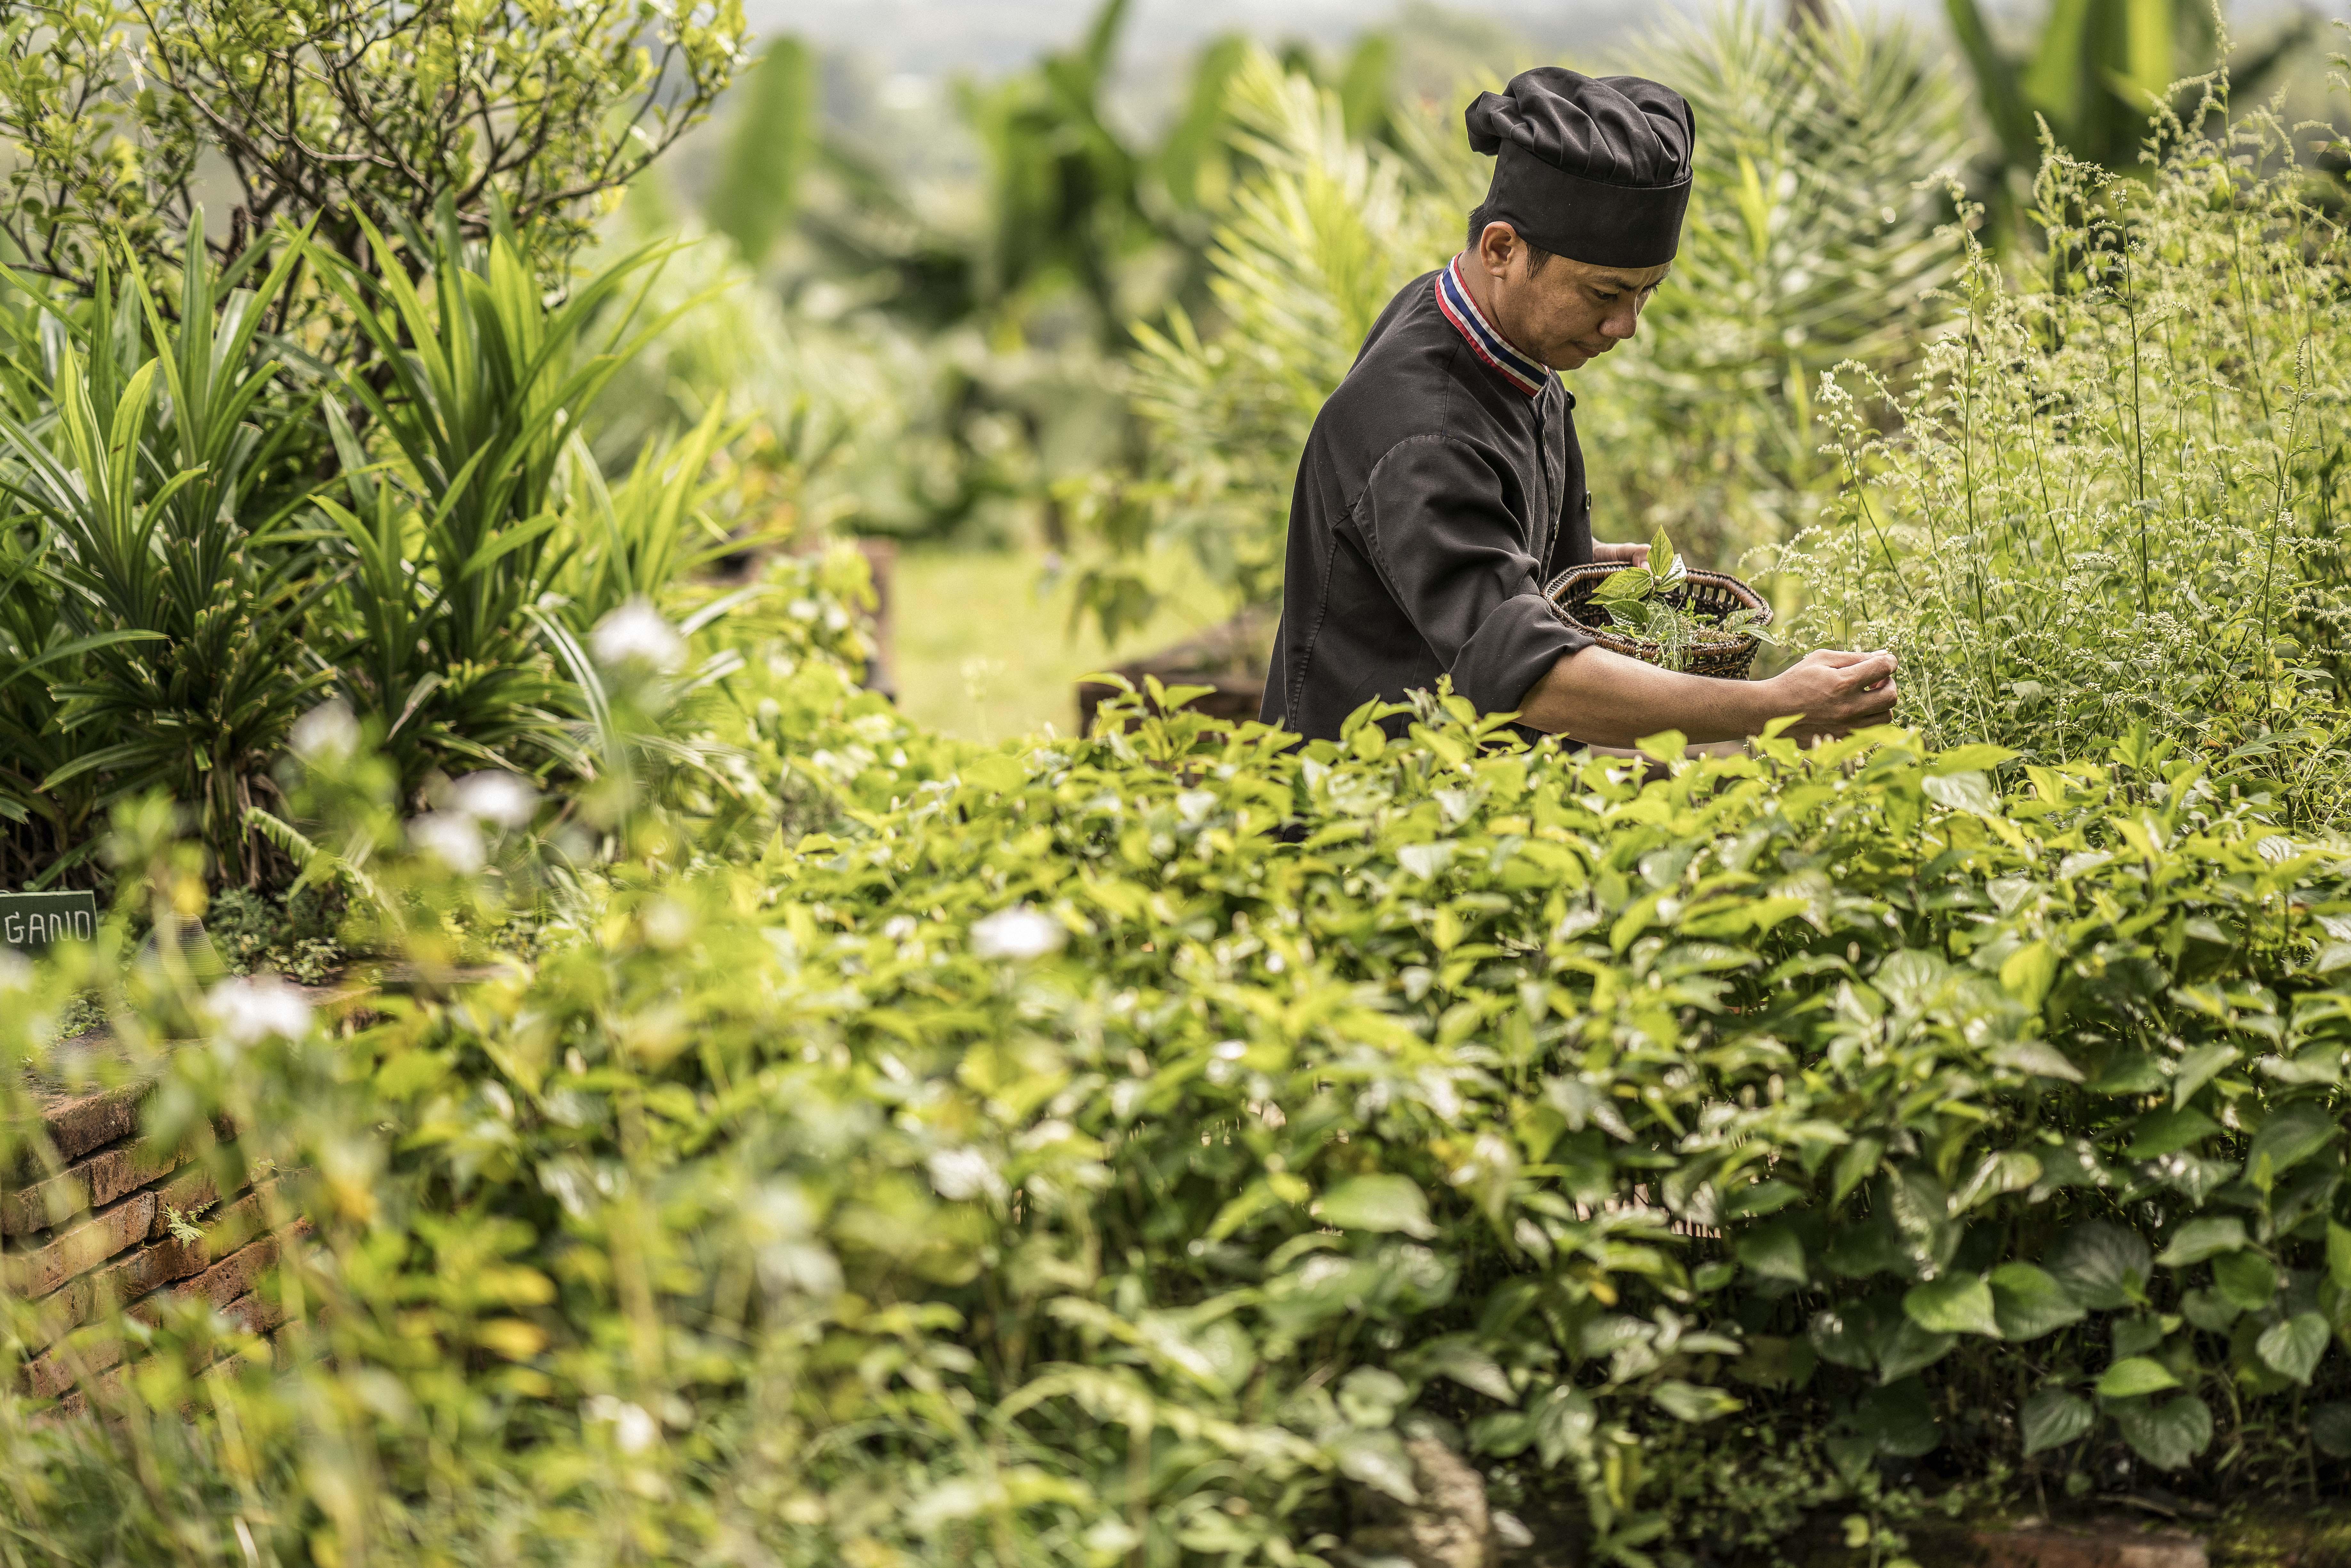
column 1603, row 699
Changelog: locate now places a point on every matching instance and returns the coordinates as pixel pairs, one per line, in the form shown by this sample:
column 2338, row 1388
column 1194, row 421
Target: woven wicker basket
column 1711, row 594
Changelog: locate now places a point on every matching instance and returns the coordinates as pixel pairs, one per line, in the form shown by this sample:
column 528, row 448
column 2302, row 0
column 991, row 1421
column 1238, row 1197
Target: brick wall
column 100, row 1231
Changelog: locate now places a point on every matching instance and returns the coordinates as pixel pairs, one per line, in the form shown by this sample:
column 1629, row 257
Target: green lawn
column 983, row 645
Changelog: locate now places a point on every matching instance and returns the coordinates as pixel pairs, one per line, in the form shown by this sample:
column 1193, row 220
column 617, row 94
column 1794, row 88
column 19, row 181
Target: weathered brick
column 49, row 1375
column 134, row 1274
column 79, row 1248
column 233, row 1276
column 231, row 1227
column 158, row 1263
column 253, row 1314
column 87, row 1122
column 91, row 1183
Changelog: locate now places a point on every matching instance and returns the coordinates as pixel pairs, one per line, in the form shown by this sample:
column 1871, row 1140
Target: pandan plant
column 1652, row 602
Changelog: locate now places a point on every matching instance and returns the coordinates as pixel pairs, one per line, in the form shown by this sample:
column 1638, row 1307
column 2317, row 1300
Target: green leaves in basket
column 1630, row 586
column 1636, row 584
column 1669, row 569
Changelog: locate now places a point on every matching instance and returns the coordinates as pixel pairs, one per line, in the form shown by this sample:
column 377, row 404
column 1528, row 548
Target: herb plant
column 2115, row 498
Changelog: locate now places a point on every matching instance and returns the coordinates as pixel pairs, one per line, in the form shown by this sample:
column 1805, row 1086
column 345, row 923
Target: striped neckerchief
column 1454, row 299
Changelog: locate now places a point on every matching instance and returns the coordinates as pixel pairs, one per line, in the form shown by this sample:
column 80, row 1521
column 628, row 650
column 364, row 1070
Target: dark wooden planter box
column 1229, row 659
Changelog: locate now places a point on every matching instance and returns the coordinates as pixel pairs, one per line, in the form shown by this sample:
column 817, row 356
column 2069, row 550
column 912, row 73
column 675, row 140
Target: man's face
column 1568, row 311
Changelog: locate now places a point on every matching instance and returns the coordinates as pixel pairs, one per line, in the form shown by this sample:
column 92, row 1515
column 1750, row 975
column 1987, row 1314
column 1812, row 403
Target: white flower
column 325, row 735
column 635, row 633
column 961, row 1174
column 493, row 796
column 632, row 1429
column 1017, row 933
column 248, row 1010
column 449, row 837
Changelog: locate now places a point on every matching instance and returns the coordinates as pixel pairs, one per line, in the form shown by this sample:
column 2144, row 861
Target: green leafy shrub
column 1054, row 1162
column 116, row 114
column 181, row 585
column 496, row 507
column 2115, row 496
column 292, row 935
column 411, row 187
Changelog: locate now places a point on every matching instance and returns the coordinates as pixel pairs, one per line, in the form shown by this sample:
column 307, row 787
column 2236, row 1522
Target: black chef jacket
column 1436, row 497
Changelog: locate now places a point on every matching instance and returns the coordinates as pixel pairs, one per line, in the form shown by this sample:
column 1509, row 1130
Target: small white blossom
column 635, row 633
column 963, row 1174
column 248, row 1010
column 326, row 734
column 632, row 1429
column 449, row 837
column 1017, row 933
column 506, row 800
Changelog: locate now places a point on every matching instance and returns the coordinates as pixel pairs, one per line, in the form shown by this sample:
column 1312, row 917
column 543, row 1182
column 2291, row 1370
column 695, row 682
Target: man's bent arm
column 1603, row 698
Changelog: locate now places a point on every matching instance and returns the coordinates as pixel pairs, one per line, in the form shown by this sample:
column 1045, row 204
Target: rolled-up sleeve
column 1435, row 519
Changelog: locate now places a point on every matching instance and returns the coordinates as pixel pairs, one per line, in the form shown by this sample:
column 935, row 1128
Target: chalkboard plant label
column 30, row 922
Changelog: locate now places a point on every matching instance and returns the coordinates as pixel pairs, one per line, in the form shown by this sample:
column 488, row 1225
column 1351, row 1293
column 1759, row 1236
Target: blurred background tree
column 2094, row 73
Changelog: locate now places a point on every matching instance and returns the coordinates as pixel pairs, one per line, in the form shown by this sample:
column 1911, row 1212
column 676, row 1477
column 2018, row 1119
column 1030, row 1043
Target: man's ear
column 1496, row 245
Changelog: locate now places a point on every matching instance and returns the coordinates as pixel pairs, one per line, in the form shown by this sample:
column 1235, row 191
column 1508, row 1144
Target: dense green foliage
column 1126, row 1150
column 1053, row 1163
column 180, row 585
column 334, row 447
column 156, row 599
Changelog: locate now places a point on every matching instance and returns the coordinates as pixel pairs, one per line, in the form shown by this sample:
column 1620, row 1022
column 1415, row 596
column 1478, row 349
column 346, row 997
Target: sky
column 929, row 37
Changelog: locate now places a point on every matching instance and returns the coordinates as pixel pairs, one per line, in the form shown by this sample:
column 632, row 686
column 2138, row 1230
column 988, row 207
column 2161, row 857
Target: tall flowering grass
column 2114, row 499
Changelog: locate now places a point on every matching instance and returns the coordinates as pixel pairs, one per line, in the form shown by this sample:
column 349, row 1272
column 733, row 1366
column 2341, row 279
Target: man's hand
column 1631, row 554
column 1605, row 698
column 1837, row 692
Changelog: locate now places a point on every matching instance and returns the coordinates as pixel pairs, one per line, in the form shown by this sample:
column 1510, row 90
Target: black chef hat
column 1596, row 169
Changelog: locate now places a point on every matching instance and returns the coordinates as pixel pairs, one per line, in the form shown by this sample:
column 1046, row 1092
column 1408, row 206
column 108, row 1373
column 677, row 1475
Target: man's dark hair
column 1537, row 258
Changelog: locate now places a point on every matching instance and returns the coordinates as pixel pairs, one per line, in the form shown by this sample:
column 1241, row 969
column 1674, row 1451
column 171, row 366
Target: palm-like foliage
column 157, row 509
column 1317, row 242
column 452, row 552
column 632, row 540
column 1065, row 192
column 2093, row 76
